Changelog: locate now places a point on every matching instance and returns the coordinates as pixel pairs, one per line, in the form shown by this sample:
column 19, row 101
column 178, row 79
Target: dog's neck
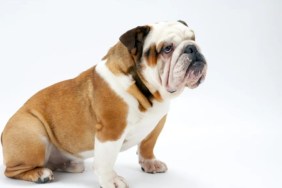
column 144, row 92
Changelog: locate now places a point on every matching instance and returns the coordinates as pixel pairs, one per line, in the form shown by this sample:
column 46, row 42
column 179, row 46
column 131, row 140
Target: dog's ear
column 134, row 40
column 184, row 23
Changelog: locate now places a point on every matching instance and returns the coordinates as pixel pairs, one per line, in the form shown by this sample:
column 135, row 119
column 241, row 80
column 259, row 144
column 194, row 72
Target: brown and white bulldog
column 119, row 103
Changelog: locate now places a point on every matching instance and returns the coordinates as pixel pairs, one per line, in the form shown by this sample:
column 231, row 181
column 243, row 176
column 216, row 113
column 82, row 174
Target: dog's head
column 167, row 56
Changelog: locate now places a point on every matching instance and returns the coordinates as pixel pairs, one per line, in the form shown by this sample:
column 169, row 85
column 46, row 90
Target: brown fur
column 22, row 149
column 157, row 96
column 110, row 110
column 67, row 114
column 152, row 56
column 119, row 60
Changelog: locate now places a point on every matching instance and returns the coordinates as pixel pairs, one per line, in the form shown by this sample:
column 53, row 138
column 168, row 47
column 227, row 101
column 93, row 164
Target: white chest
column 144, row 123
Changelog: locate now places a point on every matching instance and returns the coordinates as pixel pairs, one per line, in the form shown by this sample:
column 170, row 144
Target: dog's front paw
column 116, row 182
column 152, row 166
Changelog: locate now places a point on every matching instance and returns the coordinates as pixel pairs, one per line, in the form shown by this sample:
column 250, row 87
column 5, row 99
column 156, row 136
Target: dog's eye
column 167, row 49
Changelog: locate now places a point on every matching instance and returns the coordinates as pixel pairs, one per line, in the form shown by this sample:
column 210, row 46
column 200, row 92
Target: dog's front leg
column 147, row 159
column 104, row 160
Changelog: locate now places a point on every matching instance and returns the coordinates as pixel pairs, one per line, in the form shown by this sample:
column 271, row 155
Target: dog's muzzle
column 196, row 71
column 189, row 69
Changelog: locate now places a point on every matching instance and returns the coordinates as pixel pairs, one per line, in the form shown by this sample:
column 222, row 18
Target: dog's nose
column 194, row 54
column 191, row 50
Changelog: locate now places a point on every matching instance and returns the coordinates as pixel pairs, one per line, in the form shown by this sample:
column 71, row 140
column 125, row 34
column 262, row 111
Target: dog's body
column 121, row 102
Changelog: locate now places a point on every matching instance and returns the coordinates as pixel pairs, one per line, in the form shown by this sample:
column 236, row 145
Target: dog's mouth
column 195, row 75
column 186, row 71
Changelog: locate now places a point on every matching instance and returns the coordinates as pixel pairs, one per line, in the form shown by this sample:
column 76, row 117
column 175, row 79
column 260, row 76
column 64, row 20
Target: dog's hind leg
column 24, row 149
column 73, row 166
column 62, row 161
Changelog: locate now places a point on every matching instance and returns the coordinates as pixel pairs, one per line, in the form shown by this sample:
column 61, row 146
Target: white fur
column 105, row 157
column 46, row 173
column 152, row 165
column 171, row 33
column 48, row 148
column 86, row 154
column 168, row 31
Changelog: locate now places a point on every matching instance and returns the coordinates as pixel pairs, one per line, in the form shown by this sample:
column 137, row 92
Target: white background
column 225, row 134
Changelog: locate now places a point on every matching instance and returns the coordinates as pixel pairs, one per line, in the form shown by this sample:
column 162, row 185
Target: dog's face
column 167, row 56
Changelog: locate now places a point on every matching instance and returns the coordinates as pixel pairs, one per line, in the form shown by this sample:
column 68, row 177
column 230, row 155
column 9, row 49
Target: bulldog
column 121, row 102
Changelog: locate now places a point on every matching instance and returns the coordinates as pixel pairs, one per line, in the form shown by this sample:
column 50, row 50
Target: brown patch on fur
column 157, row 96
column 119, row 60
column 110, row 109
column 141, row 108
column 144, row 103
column 147, row 145
column 152, row 56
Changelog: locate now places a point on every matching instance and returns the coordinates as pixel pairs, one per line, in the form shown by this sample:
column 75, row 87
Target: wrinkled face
column 171, row 59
